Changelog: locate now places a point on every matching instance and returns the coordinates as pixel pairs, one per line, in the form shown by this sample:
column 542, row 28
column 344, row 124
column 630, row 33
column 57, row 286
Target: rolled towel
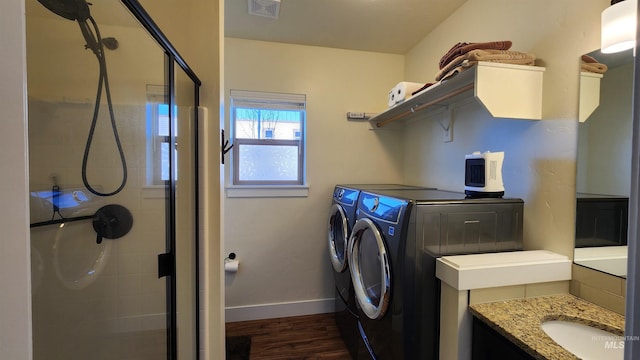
column 402, row 91
column 464, row 47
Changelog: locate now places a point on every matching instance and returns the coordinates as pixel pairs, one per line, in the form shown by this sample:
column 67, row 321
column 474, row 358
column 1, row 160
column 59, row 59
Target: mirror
column 604, row 161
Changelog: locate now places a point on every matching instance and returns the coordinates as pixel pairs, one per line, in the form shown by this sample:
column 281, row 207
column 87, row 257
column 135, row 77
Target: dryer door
column 370, row 268
column 338, row 237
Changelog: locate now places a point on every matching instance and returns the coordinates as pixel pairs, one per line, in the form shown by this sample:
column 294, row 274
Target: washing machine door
column 338, row 237
column 370, row 268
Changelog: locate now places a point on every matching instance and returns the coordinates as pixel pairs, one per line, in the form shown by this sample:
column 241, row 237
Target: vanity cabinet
column 505, row 90
column 488, row 344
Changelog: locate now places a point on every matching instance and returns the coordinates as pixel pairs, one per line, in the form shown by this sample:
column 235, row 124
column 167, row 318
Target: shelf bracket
column 446, row 123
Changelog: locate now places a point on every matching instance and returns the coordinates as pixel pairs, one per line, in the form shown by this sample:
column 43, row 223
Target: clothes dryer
column 342, row 217
column 392, row 252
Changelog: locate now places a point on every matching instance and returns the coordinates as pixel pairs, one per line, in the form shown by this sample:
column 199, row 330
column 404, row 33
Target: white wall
column 608, row 135
column 540, row 156
column 280, row 263
column 57, row 59
column 15, row 312
column 281, row 242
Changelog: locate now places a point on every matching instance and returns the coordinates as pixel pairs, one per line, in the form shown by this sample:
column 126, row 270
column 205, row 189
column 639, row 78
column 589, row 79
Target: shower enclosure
column 113, row 185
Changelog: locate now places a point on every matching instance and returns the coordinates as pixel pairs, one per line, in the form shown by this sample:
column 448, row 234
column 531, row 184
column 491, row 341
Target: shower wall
column 94, row 301
column 126, row 296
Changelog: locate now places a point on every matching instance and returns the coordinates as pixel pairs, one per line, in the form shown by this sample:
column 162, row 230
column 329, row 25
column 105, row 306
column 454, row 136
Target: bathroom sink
column 586, row 342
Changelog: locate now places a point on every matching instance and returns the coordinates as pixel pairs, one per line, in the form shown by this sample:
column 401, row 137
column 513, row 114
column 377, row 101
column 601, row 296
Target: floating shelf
column 505, row 90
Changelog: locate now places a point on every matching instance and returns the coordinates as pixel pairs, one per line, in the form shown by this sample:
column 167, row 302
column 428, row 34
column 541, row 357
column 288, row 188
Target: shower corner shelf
column 505, row 91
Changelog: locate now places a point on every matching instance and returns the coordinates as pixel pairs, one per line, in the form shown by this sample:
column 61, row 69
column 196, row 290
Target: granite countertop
column 519, row 321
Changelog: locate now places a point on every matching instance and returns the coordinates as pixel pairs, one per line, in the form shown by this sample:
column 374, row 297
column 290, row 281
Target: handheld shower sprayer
column 75, row 10
column 78, row 10
column 68, row 9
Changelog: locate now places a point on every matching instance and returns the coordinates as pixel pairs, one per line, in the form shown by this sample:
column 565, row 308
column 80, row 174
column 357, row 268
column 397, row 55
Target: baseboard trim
column 276, row 310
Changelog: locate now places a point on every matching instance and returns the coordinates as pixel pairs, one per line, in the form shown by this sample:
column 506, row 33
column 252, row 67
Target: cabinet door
column 487, row 344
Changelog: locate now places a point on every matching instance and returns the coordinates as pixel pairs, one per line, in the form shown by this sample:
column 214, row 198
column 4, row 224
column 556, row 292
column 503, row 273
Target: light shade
column 619, row 27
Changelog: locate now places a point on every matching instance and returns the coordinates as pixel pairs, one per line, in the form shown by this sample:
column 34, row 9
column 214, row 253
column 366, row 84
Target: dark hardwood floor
column 299, row 337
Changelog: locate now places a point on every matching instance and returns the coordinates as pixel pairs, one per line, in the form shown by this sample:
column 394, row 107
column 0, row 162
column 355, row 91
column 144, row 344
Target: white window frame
column 156, row 97
column 276, row 101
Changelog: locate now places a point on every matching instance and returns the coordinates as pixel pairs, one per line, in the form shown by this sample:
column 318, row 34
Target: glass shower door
column 97, row 291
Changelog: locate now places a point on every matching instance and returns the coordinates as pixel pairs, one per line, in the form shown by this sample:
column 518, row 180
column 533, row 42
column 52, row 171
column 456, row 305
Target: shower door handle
column 166, row 265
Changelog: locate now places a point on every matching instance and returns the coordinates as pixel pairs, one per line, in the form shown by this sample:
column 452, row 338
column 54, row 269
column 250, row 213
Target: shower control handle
column 112, row 222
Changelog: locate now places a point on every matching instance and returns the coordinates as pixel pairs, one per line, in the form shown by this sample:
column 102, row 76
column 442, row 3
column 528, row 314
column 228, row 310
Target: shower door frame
column 173, row 59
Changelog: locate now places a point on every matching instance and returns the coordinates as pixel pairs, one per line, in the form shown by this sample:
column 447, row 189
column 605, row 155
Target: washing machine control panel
column 387, row 209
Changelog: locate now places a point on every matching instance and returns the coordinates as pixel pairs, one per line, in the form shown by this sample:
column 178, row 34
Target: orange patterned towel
column 502, row 56
column 464, row 47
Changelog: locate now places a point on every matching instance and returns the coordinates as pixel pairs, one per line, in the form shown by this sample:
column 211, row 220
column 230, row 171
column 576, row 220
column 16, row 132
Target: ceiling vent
column 266, row 8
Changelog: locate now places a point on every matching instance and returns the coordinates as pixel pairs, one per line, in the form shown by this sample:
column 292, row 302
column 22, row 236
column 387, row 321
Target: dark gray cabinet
column 488, row 344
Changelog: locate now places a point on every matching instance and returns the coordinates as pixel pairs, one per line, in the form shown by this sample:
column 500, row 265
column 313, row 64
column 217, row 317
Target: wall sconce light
column 618, row 26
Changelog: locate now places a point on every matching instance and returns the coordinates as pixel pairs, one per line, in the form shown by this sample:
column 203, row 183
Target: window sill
column 250, row 191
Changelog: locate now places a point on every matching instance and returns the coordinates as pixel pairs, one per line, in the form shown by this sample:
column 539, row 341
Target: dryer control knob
column 376, row 203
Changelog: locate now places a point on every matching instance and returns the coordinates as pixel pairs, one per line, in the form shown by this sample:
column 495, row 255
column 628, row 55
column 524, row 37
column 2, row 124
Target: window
column 269, row 137
column 157, row 112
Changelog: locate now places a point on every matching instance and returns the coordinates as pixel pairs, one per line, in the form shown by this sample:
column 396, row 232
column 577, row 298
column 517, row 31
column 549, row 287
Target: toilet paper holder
column 231, row 264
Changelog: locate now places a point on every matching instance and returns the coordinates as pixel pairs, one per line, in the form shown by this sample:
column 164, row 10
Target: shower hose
column 98, row 50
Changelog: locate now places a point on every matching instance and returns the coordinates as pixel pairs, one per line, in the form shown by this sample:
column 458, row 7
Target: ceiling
column 388, row 26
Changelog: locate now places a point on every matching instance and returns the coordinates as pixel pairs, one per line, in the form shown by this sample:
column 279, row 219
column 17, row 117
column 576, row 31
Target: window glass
column 158, row 137
column 268, row 162
column 268, row 142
